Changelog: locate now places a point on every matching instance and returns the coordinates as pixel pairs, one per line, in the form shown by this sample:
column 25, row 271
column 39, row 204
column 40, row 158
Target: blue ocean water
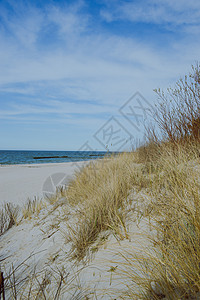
column 13, row 157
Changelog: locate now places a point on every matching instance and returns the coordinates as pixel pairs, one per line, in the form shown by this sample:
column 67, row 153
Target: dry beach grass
column 171, row 268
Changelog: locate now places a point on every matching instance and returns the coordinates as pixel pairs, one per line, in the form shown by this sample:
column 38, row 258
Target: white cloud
column 161, row 12
column 21, row 27
column 68, row 19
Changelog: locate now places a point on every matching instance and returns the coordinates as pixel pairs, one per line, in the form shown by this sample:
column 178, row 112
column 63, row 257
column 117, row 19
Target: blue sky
column 67, row 67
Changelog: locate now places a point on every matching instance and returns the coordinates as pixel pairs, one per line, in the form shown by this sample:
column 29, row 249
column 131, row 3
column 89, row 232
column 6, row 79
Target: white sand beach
column 20, row 182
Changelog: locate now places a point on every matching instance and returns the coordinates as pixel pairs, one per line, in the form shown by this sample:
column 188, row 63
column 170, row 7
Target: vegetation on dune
column 100, row 193
column 167, row 169
column 172, row 270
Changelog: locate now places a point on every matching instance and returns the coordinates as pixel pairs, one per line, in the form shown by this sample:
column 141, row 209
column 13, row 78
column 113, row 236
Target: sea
column 13, row 157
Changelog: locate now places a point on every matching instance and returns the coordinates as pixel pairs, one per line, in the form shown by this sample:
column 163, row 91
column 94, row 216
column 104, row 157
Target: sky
column 80, row 75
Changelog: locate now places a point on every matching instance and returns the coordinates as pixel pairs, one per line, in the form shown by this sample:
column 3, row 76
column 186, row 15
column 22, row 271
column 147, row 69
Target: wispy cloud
column 154, row 11
column 69, row 19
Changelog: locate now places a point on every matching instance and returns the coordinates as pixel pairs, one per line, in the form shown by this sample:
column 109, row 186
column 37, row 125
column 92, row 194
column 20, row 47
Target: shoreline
column 45, row 164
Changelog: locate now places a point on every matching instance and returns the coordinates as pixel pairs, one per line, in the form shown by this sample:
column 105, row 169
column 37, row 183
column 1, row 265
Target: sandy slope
column 39, row 245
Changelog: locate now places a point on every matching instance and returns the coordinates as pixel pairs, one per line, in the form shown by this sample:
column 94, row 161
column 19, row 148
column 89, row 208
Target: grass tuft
column 8, row 217
column 32, row 207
